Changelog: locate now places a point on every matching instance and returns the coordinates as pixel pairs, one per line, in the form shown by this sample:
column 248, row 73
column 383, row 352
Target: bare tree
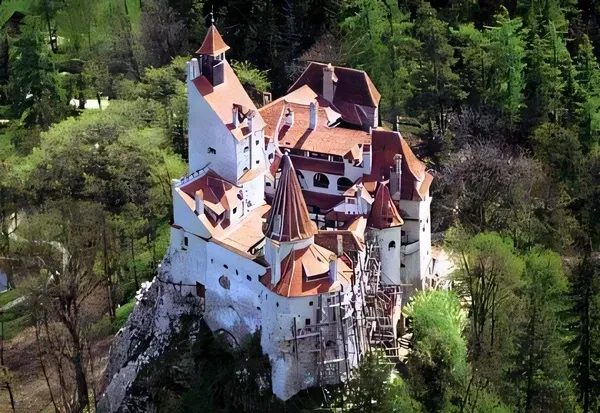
column 163, row 33
column 65, row 242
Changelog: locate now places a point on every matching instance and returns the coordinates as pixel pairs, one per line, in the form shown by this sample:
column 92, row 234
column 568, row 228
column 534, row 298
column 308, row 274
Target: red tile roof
column 323, row 139
column 296, row 268
column 350, row 242
column 385, row 145
column 213, row 43
column 318, row 165
column 353, row 86
column 217, row 194
column 288, row 219
column 384, row 213
column 223, row 97
column 323, row 201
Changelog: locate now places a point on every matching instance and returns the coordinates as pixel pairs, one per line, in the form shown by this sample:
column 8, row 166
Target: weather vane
column 212, row 14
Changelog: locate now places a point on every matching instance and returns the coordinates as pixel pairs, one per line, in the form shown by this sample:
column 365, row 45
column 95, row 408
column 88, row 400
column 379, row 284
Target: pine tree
column 539, row 377
column 588, row 78
column 507, row 54
column 438, row 86
column 585, row 296
column 34, row 84
column 377, row 39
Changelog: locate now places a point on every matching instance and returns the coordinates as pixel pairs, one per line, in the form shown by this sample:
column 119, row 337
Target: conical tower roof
column 288, row 218
column 384, row 213
column 213, row 43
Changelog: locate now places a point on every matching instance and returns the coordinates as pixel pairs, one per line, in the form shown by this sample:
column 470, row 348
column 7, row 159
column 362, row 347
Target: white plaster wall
column 258, row 157
column 411, row 208
column 425, row 239
column 207, row 130
column 390, row 257
column 354, row 172
column 186, row 218
column 308, row 183
column 254, row 193
column 243, row 156
column 412, row 228
column 248, row 306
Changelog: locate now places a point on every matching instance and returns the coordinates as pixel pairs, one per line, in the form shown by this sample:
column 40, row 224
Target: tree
column 489, row 276
column 585, row 296
column 540, row 376
column 255, row 81
column 374, row 387
column 437, row 85
column 163, row 33
column 65, row 243
column 588, row 78
column 507, row 53
column 377, row 39
column 438, row 362
column 560, row 149
column 34, row 85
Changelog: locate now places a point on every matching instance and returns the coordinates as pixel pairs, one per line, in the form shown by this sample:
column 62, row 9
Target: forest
column 501, row 99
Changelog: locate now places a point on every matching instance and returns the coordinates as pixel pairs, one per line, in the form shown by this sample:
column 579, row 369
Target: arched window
column 391, row 245
column 300, row 178
column 344, row 184
column 321, row 181
column 246, row 149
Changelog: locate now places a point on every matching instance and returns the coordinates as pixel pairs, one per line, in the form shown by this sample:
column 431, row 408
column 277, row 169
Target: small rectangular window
column 234, row 210
column 185, row 243
column 307, row 321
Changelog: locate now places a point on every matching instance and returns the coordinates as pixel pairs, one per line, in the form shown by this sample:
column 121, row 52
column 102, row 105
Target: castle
column 303, row 219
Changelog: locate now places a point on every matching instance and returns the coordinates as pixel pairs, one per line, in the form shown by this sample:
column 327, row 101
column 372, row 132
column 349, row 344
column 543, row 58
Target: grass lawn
column 14, row 319
column 123, row 314
column 8, row 296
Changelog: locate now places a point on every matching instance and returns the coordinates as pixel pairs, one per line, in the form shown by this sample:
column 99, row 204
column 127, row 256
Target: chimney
column 314, row 113
column 236, row 119
column 199, row 202
column 396, row 178
column 193, row 69
column 329, row 81
column 289, row 118
column 250, row 117
column 333, row 268
column 340, row 245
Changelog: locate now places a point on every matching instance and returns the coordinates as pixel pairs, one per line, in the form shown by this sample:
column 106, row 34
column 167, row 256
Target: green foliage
column 378, row 40
column 255, row 81
column 585, row 345
column 507, row 54
column 374, row 387
column 8, row 296
column 489, row 276
column 540, row 372
column 438, row 361
column 34, row 84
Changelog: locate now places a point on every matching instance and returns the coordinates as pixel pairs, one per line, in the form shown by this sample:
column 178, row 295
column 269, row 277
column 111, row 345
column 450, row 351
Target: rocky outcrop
column 156, row 318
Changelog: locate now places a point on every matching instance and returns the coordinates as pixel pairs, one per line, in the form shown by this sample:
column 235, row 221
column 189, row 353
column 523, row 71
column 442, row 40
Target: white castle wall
column 390, row 253
column 246, row 306
column 206, row 130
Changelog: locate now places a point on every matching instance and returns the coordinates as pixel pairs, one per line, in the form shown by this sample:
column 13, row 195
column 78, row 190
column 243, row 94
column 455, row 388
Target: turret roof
column 384, row 213
column 289, row 219
column 213, row 43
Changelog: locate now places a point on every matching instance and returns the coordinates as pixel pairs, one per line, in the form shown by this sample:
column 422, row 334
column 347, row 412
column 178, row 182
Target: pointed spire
column 213, row 43
column 288, row 218
column 384, row 213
